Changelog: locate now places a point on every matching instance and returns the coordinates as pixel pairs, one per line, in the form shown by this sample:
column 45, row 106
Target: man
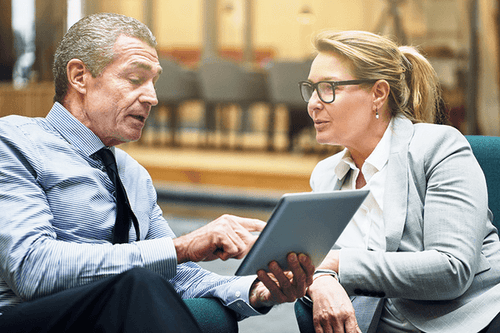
column 64, row 266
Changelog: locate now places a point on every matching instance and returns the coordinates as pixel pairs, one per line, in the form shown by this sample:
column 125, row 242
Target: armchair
column 486, row 149
column 212, row 316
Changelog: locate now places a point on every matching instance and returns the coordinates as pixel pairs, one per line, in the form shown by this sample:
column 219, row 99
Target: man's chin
column 123, row 139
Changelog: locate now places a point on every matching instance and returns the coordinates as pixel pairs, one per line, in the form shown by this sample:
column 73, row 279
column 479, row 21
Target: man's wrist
column 180, row 250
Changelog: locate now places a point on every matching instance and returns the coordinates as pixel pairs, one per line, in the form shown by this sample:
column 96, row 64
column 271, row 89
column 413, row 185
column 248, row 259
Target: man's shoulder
column 32, row 131
column 18, row 122
column 14, row 120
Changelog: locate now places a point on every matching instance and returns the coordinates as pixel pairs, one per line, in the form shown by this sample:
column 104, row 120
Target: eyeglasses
column 325, row 89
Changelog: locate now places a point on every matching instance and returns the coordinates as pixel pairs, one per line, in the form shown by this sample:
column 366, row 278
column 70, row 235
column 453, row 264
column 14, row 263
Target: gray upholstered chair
column 224, row 82
column 175, row 86
column 284, row 90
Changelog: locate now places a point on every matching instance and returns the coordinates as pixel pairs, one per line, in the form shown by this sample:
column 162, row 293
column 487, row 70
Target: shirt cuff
column 238, row 297
column 159, row 255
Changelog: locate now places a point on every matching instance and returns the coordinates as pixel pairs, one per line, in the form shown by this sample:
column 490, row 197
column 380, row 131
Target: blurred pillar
column 488, row 89
column 473, row 70
column 23, row 25
column 50, row 26
column 248, row 51
column 209, row 28
column 149, row 15
column 91, row 7
column 7, row 57
column 76, row 10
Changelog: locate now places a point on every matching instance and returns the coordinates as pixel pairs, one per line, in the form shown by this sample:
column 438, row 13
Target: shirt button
column 237, row 294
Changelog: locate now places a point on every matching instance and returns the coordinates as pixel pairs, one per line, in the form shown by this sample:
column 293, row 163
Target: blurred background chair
column 212, row 316
column 224, row 83
column 284, row 90
column 175, row 86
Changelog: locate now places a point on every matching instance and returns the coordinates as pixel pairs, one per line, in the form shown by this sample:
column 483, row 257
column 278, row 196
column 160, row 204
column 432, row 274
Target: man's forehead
column 147, row 66
column 136, row 53
column 126, row 44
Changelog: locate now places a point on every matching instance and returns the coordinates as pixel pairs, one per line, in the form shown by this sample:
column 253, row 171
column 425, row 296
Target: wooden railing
column 33, row 101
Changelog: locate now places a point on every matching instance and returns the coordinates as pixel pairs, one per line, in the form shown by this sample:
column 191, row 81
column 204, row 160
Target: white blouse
column 366, row 229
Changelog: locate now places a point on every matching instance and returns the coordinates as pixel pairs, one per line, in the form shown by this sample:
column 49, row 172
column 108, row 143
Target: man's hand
column 226, row 237
column 278, row 287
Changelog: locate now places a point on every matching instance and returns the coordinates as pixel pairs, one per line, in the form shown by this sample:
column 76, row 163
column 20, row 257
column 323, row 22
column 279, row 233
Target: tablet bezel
column 307, row 223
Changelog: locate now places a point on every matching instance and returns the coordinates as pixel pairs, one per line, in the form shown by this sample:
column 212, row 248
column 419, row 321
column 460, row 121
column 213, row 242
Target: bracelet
column 321, row 272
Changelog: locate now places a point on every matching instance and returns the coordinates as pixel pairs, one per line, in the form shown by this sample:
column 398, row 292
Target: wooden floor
column 248, row 170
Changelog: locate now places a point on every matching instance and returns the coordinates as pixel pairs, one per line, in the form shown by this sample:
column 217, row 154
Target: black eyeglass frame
column 334, row 85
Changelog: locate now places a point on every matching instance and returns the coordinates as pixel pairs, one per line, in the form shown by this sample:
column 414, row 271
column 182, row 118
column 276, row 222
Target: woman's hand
column 332, row 308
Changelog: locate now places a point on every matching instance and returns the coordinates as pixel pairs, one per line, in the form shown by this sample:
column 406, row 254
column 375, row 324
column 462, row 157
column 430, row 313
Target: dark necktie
column 124, row 213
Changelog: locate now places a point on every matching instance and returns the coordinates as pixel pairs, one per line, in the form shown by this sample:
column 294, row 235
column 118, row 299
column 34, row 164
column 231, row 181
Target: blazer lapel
column 396, row 190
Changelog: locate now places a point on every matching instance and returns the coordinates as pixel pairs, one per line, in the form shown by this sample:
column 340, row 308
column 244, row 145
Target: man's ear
column 77, row 75
column 381, row 90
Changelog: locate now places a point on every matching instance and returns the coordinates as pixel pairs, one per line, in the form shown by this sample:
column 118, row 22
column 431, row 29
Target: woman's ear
column 77, row 73
column 381, row 91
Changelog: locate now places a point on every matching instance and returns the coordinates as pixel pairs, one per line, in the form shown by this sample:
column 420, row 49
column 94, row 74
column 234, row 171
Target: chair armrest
column 212, row 316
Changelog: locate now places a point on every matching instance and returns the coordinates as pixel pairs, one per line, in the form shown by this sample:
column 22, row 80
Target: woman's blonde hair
column 415, row 90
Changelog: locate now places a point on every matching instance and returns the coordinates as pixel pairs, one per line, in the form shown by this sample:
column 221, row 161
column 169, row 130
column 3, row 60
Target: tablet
column 307, row 223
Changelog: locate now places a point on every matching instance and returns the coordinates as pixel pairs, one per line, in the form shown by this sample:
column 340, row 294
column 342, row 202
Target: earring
column 376, row 114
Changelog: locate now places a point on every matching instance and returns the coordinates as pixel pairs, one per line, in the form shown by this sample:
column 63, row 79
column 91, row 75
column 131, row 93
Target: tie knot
column 107, row 158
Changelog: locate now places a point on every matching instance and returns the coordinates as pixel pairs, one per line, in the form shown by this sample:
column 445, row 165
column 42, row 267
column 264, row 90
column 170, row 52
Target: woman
column 422, row 246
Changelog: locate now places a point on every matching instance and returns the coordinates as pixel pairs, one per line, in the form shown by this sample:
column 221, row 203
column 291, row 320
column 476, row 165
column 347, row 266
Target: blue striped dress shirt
column 57, row 211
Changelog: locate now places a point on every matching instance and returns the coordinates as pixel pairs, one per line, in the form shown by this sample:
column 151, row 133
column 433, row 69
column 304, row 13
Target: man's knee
column 143, row 281
column 140, row 274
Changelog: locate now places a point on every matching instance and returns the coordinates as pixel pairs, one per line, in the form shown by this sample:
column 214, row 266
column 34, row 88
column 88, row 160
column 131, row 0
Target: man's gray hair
column 91, row 40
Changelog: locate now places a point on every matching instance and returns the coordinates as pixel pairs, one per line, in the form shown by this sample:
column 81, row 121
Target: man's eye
column 136, row 80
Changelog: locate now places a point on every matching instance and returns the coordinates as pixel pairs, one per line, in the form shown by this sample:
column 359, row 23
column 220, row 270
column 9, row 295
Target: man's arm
column 39, row 256
column 226, row 237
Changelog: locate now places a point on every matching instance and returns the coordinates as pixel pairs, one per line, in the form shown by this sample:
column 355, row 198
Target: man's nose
column 149, row 95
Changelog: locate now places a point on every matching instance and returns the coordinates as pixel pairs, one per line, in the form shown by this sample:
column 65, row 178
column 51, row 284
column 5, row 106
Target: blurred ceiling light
column 228, row 7
column 306, row 16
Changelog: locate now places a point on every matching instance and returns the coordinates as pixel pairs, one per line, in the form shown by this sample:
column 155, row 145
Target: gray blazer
column 442, row 262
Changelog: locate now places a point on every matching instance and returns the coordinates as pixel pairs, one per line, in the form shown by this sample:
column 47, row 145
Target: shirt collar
column 374, row 163
column 380, row 155
column 73, row 131
column 344, row 165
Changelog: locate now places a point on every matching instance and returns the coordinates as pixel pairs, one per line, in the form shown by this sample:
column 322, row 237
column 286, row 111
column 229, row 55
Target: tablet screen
column 307, row 223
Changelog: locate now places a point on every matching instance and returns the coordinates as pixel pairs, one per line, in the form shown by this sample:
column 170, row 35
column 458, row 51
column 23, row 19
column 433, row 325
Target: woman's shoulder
column 432, row 144
column 434, row 136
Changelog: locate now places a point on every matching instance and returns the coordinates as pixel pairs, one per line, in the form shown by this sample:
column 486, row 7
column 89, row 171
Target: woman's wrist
column 321, row 280
column 322, row 272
